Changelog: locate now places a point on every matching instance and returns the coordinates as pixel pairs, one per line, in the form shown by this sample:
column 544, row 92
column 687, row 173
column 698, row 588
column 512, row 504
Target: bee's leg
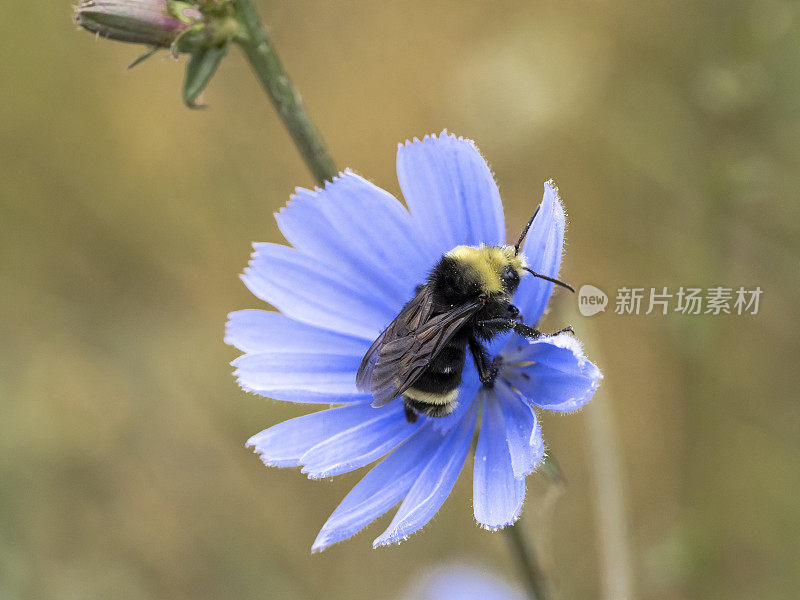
column 505, row 324
column 567, row 329
column 487, row 372
column 532, row 333
column 411, row 414
column 528, row 332
column 521, row 328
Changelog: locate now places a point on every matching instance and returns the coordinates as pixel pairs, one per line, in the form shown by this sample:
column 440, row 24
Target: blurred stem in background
column 609, row 493
column 527, row 561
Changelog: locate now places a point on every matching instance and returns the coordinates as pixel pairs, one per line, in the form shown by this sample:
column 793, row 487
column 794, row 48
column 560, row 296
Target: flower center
column 496, row 367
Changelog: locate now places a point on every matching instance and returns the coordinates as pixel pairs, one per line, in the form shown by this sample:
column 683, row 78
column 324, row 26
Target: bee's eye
column 510, row 275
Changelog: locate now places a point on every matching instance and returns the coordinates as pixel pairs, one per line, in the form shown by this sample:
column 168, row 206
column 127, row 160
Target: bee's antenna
column 525, row 231
column 546, row 278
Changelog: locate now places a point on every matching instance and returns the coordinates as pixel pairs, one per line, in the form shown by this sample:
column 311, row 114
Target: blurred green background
column 673, row 131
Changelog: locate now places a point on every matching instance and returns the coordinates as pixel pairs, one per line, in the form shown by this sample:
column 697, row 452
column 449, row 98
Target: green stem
column 258, row 48
column 525, row 554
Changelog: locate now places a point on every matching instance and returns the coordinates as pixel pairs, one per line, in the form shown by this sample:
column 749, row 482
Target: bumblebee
column 465, row 302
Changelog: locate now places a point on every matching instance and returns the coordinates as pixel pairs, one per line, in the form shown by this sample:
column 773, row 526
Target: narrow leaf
column 200, row 69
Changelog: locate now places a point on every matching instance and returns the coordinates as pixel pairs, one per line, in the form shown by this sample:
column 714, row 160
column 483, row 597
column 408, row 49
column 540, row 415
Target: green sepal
column 200, row 69
column 190, row 40
column 150, row 52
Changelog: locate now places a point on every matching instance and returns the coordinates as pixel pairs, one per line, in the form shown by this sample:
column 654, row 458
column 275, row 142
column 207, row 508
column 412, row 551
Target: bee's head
column 498, row 269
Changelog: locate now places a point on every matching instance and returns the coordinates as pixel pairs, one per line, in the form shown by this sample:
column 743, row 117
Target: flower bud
column 156, row 23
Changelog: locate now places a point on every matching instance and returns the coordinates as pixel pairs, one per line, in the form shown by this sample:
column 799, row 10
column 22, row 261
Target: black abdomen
column 435, row 392
column 443, row 375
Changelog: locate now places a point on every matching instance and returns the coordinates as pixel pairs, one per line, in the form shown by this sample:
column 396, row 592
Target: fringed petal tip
column 552, row 197
column 529, row 471
column 228, row 325
column 586, row 367
column 331, row 535
column 323, row 542
column 496, row 528
column 450, row 192
column 382, row 488
column 300, row 192
column 274, row 463
column 317, row 476
column 436, row 137
column 551, row 372
column 252, row 444
column 394, row 538
column 250, row 390
column 445, row 135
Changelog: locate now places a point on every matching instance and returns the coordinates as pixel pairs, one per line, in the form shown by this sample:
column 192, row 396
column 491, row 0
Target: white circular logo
column 591, row 300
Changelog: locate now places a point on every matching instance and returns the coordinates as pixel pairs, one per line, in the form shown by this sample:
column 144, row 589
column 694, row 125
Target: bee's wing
column 411, row 317
column 402, row 352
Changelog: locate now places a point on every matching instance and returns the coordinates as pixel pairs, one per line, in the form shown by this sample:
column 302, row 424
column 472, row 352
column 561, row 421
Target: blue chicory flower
column 355, row 258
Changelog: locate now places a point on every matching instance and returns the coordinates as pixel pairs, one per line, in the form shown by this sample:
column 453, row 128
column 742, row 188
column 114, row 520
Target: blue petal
column 496, row 345
column 301, row 376
column 451, row 193
column 542, row 248
column 383, row 487
column 523, row 433
column 302, row 288
column 434, row 483
column 497, row 494
column 551, row 372
column 355, row 227
column 264, row 331
column 353, row 448
column 283, row 444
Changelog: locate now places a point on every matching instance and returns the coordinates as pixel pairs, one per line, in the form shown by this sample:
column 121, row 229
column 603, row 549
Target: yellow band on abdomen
column 430, row 397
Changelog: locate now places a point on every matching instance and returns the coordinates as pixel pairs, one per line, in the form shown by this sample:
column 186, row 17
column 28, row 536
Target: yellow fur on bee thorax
column 488, row 262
